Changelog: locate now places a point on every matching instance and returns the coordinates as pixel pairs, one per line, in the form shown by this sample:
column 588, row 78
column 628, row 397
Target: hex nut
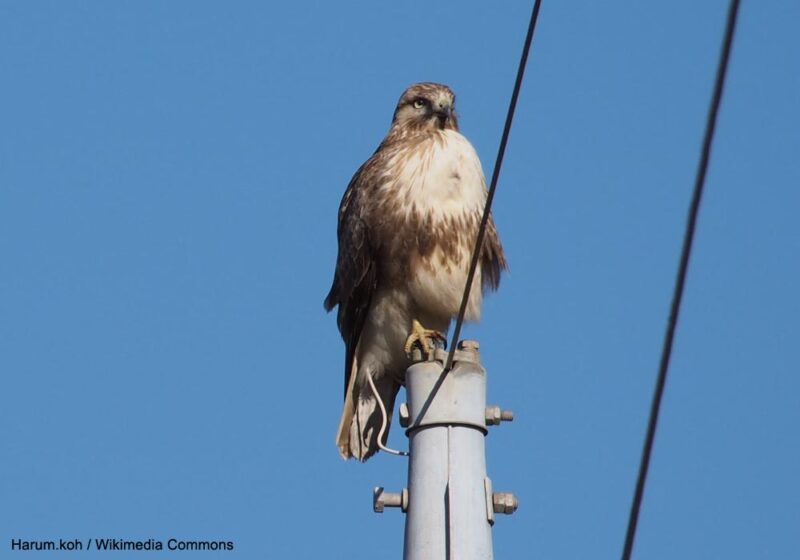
column 405, row 415
column 504, row 502
column 495, row 415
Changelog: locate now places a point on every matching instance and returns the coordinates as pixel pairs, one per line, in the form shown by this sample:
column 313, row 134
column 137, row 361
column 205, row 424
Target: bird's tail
column 362, row 417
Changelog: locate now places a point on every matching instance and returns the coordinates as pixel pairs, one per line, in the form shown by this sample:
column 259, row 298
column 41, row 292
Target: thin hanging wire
column 384, row 420
column 680, row 281
column 493, row 185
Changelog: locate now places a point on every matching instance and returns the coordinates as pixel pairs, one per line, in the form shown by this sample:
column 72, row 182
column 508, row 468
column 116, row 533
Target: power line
column 493, row 185
column 680, row 281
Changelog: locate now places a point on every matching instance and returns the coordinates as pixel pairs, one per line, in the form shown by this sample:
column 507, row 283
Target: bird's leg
column 426, row 338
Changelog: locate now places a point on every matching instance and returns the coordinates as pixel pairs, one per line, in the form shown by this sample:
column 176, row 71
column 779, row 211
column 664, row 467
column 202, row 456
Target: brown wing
column 356, row 269
column 493, row 259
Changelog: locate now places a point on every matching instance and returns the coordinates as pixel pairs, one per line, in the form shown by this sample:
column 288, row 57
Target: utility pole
column 449, row 502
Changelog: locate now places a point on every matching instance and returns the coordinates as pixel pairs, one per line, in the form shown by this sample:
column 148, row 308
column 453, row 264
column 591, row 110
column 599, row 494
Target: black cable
column 473, row 265
column 681, row 277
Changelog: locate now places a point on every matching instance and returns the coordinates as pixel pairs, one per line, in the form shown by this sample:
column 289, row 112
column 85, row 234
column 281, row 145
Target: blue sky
column 169, row 179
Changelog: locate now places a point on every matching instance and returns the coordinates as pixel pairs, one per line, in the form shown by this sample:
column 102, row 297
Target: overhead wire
column 680, row 280
column 493, row 185
column 481, row 232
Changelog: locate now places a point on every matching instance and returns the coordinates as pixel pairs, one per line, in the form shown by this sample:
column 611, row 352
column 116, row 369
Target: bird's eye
column 419, row 103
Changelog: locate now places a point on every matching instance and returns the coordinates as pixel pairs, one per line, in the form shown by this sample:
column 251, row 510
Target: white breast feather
column 444, row 179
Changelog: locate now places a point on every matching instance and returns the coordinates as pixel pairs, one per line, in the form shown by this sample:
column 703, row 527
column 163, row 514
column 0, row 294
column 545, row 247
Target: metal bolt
column 504, row 502
column 469, row 345
column 382, row 499
column 495, row 415
column 405, row 415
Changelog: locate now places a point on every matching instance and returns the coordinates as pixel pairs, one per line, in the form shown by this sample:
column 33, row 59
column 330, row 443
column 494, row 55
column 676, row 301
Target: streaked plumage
column 407, row 225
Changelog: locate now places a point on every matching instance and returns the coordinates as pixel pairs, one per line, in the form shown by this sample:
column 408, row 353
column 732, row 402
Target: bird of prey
column 408, row 222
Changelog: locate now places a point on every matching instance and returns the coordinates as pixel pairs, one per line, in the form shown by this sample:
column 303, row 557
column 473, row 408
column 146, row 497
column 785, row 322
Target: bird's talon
column 425, row 338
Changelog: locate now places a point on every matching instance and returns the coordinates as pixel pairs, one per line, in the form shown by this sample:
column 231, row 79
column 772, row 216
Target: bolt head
column 377, row 499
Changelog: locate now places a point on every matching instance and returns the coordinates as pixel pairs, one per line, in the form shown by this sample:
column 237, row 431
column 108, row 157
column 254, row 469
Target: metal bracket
column 487, row 488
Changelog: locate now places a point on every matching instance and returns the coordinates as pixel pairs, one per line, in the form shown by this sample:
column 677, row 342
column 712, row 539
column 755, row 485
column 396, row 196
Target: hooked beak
column 443, row 113
column 444, row 110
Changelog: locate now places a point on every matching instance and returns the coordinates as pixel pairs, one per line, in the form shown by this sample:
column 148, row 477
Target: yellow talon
column 426, row 338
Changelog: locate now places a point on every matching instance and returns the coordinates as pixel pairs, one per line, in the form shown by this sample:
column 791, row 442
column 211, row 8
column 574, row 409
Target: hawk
column 407, row 226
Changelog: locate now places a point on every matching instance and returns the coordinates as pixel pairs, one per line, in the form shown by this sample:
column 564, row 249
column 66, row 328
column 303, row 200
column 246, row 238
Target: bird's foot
column 426, row 338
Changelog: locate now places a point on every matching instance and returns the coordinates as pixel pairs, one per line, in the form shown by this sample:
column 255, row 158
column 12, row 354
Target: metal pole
column 449, row 503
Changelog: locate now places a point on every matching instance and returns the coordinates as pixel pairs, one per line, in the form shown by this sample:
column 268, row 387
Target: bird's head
column 426, row 107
